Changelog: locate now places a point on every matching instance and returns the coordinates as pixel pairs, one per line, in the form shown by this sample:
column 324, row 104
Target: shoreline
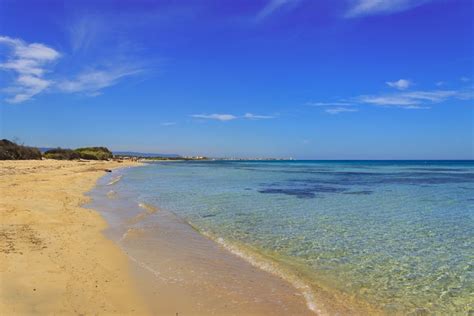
column 55, row 258
column 192, row 273
column 319, row 298
column 132, row 227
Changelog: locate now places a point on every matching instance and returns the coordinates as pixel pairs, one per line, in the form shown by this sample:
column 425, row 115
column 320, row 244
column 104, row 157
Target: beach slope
column 54, row 258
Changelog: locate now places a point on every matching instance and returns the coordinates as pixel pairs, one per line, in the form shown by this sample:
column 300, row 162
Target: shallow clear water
column 397, row 235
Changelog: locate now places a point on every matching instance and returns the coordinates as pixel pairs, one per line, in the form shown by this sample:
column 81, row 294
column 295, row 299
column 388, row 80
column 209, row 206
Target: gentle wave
column 131, row 232
column 253, row 257
column 269, row 265
column 115, row 180
column 149, row 210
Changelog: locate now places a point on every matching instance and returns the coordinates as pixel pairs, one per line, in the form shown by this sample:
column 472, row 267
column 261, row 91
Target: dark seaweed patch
column 208, row 215
column 299, row 193
column 363, row 192
column 407, row 178
column 302, row 192
column 341, row 182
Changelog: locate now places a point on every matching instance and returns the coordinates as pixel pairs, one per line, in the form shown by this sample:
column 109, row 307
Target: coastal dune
column 54, row 257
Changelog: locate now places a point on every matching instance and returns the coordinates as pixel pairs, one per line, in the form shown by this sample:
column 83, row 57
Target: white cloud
column 465, row 79
column 251, row 116
column 432, row 96
column 440, row 83
column 416, row 107
column 373, row 7
column 329, row 103
column 415, row 99
column 92, row 81
column 24, row 66
column 29, row 63
column 340, row 110
column 335, row 107
column 31, row 66
column 231, row 117
column 388, row 100
column 37, row 51
column 218, row 117
column 401, row 84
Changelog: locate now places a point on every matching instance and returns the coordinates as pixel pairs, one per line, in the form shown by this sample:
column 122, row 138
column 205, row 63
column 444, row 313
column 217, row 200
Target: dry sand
column 54, row 258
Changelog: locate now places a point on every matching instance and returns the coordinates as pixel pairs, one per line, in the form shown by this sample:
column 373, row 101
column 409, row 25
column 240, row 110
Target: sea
column 395, row 235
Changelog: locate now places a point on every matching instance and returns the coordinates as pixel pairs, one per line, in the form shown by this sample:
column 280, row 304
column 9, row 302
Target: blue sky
column 348, row 79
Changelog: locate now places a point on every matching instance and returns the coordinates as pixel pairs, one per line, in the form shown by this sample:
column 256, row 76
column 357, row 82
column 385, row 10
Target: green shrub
column 11, row 151
column 94, row 153
column 61, row 154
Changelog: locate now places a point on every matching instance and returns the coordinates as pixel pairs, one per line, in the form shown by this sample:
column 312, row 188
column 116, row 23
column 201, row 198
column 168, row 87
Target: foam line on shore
column 115, row 180
column 268, row 265
column 257, row 260
column 150, row 209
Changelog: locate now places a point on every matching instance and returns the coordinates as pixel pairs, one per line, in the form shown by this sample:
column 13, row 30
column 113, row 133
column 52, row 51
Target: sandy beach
column 54, row 257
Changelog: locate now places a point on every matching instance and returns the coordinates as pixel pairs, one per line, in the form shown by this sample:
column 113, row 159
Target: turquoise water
column 396, row 235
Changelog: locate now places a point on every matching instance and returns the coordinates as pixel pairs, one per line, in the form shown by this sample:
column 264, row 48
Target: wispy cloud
column 401, row 84
column 340, row 110
column 231, row 117
column 91, row 82
column 328, row 103
column 32, row 67
column 218, row 117
column 335, row 107
column 374, row 7
column 415, row 99
column 420, row 99
column 251, row 116
column 85, row 32
column 29, row 63
column 271, row 7
column 110, row 57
